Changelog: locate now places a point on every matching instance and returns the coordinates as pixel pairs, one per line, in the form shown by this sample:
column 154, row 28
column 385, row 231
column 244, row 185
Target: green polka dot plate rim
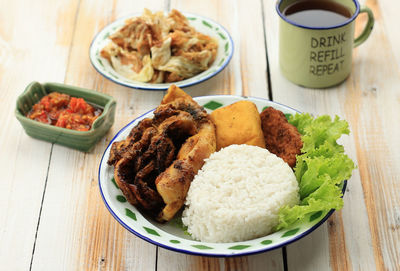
column 172, row 235
column 202, row 24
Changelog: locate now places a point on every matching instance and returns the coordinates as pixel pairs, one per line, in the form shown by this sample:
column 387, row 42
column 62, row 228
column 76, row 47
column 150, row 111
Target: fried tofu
column 238, row 123
column 281, row 138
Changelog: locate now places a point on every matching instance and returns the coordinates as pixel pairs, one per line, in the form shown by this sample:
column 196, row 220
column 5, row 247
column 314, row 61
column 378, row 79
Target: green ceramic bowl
column 80, row 140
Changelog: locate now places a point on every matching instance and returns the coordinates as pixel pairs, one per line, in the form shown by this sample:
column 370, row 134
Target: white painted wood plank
column 375, row 99
column 245, row 75
column 390, row 22
column 76, row 229
column 251, row 48
column 26, row 56
column 225, row 82
column 172, row 261
column 246, row 71
column 301, row 255
column 367, row 248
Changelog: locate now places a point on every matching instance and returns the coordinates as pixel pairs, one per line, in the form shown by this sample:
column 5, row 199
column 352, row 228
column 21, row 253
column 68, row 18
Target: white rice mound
column 237, row 195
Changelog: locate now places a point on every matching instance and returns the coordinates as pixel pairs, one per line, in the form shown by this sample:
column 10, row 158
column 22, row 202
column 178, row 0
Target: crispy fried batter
column 281, row 138
column 121, row 148
column 173, row 184
column 156, row 163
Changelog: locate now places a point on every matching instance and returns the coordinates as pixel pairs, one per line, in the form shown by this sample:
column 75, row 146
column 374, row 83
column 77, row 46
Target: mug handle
column 368, row 27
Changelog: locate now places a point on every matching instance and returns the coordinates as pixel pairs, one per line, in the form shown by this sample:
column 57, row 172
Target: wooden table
column 52, row 215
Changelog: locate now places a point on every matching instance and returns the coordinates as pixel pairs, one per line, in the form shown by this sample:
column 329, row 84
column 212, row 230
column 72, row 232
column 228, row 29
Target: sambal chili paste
column 61, row 110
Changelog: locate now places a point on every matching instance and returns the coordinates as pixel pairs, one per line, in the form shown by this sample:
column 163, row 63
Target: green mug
column 319, row 57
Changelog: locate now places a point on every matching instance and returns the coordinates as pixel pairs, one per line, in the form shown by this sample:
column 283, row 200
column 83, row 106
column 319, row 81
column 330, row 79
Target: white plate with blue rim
column 201, row 24
column 172, row 235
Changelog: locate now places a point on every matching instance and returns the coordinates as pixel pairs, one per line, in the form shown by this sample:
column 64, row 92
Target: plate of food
column 152, row 50
column 224, row 175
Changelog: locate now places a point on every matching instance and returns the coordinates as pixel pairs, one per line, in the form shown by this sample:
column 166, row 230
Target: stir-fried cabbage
column 156, row 48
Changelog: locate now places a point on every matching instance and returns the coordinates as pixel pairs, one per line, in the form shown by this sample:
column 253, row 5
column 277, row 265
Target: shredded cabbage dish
column 156, row 48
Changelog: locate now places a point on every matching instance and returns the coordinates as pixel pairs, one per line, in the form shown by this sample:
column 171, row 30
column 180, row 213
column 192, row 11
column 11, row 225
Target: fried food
column 238, row 123
column 156, row 163
column 156, row 48
column 281, row 138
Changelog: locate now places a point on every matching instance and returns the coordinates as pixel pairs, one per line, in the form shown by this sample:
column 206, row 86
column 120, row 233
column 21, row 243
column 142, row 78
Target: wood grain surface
column 52, row 215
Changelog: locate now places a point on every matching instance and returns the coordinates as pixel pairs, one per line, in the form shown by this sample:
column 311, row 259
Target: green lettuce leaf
column 289, row 215
column 301, row 121
column 320, row 169
column 329, row 194
column 319, row 131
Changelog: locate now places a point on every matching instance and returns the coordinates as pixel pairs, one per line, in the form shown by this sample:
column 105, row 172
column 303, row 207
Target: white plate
column 201, row 24
column 170, row 235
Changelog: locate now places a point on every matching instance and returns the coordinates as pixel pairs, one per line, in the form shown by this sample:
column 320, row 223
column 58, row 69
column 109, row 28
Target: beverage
column 316, row 40
column 317, row 13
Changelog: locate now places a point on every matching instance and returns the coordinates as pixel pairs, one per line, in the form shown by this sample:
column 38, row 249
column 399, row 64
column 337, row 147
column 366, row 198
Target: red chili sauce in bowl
column 62, row 110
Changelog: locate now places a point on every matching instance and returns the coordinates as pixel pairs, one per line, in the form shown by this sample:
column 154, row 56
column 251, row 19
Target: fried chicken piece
column 172, row 146
column 156, row 163
column 141, row 162
column 281, row 138
column 173, row 184
column 143, row 189
column 126, row 164
column 121, row 148
column 124, row 177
